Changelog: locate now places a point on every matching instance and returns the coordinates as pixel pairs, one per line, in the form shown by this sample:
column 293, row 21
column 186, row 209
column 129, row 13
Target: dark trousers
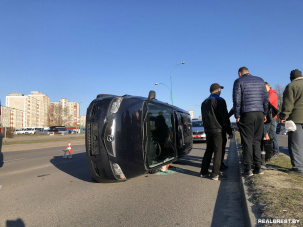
column 224, row 141
column 251, row 128
column 213, row 146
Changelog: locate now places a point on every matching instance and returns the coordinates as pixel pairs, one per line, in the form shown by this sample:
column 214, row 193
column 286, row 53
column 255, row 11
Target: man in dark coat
column 216, row 123
column 292, row 110
column 250, row 103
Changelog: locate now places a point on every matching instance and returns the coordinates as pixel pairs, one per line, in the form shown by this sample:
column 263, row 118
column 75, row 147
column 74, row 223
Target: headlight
column 115, row 105
column 117, row 171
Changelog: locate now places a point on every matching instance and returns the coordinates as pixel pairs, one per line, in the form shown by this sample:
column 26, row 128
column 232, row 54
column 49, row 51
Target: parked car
column 58, row 129
column 19, row 131
column 72, row 131
column 47, row 131
column 29, row 131
column 127, row 136
column 280, row 129
column 33, row 130
column 198, row 131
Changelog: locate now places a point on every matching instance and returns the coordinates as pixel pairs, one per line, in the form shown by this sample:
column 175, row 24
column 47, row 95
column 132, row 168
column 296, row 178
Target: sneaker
column 248, row 173
column 263, row 167
column 260, row 171
column 205, row 175
column 220, row 176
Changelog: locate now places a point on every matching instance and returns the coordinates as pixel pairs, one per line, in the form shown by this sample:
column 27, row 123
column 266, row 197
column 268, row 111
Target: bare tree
column 60, row 116
column 280, row 91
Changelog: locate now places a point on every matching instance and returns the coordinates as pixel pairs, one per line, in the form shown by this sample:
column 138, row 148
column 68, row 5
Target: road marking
column 29, row 169
column 13, row 160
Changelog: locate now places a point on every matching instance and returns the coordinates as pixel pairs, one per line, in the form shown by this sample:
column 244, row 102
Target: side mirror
column 151, row 95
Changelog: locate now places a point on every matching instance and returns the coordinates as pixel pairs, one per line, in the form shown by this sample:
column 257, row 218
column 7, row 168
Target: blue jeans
column 295, row 148
column 273, row 136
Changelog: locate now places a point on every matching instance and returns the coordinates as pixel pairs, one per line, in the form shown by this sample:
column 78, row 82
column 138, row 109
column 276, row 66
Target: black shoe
column 223, row 167
column 259, row 171
column 292, row 170
column 248, row 173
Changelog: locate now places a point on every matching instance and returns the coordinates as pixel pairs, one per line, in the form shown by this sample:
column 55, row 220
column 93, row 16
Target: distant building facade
column 42, row 107
column 35, row 107
column 36, row 110
column 191, row 112
column 83, row 121
column 11, row 117
column 64, row 113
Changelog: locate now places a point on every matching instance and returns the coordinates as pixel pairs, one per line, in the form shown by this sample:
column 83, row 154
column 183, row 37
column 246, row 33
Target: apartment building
column 64, row 113
column 11, row 117
column 192, row 115
column 42, row 101
column 83, row 121
column 35, row 107
column 36, row 110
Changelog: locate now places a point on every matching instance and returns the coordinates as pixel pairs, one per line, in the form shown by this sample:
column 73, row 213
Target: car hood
column 198, row 129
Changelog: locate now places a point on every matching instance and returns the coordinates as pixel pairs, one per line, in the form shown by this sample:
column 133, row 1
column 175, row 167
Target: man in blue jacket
column 250, row 104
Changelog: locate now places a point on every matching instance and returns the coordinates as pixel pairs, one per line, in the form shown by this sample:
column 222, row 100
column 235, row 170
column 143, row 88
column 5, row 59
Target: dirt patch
column 277, row 195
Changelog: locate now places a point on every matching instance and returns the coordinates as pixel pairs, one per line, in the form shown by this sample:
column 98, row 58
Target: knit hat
column 295, row 74
column 214, row 87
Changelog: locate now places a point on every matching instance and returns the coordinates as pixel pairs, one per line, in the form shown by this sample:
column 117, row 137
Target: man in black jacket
column 216, row 123
column 250, row 99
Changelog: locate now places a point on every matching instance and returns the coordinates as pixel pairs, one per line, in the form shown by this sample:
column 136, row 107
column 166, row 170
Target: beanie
column 295, row 74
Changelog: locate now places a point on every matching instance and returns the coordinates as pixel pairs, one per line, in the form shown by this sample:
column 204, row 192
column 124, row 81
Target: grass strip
column 276, row 194
column 41, row 140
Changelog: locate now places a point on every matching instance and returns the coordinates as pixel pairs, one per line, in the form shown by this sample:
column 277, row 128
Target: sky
column 77, row 49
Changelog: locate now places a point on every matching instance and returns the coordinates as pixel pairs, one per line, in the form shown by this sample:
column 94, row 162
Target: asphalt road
column 40, row 188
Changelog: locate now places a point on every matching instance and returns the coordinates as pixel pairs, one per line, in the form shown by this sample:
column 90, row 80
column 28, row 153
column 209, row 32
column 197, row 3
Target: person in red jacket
column 273, row 99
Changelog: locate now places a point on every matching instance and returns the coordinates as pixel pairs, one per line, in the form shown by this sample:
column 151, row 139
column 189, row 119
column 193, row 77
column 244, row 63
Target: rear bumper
column 199, row 137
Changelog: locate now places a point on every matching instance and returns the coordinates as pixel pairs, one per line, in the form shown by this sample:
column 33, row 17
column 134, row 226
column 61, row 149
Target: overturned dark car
column 127, row 136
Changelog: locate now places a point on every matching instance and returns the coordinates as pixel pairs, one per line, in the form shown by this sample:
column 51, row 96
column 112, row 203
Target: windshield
column 197, row 124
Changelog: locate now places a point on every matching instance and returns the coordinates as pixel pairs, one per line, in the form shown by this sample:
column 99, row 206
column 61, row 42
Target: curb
column 249, row 217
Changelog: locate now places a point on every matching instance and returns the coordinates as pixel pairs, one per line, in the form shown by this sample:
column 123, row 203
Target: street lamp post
column 80, row 117
column 171, row 82
column 168, row 89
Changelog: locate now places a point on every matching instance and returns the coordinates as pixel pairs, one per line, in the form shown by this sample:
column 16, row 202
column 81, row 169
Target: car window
column 159, row 132
column 197, row 124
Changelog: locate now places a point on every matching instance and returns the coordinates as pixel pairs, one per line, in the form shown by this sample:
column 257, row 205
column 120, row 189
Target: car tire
column 103, row 95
